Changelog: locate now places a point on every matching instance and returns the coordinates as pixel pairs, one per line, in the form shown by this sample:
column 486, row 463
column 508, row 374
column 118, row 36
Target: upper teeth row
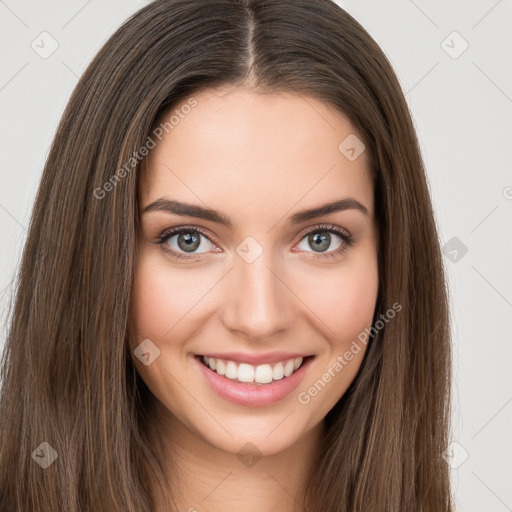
column 261, row 374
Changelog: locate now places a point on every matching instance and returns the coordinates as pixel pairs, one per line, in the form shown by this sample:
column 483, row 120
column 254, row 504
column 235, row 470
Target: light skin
column 258, row 159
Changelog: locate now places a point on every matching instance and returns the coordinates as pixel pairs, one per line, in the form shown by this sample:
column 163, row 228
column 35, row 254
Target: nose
column 258, row 302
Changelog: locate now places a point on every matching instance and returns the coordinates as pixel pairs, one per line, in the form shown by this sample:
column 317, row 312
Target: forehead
column 238, row 149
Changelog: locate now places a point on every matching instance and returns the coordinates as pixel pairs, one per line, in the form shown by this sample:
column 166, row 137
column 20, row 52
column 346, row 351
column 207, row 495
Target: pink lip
column 252, row 394
column 268, row 358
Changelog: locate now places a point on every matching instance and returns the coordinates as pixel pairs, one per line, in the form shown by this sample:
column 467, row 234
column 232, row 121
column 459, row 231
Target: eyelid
column 176, row 230
column 323, row 227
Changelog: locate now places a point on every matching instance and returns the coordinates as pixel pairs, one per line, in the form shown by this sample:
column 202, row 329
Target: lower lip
column 253, row 394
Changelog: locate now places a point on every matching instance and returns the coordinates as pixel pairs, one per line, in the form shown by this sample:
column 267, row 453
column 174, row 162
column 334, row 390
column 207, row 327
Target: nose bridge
column 258, row 302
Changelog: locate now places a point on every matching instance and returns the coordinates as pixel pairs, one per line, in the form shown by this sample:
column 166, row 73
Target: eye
column 183, row 242
column 321, row 240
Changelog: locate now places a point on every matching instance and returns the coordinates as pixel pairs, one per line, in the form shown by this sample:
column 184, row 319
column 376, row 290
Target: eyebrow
column 190, row 210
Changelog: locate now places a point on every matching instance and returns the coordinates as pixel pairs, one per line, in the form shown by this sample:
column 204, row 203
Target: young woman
column 232, row 294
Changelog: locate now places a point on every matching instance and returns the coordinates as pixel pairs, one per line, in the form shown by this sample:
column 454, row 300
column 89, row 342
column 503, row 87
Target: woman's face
column 257, row 284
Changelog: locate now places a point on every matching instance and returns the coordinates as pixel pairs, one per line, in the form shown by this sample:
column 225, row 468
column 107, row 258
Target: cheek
column 345, row 304
column 162, row 299
column 354, row 305
column 343, row 301
column 153, row 308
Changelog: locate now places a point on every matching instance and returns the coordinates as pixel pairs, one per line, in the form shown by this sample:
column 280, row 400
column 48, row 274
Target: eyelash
column 347, row 239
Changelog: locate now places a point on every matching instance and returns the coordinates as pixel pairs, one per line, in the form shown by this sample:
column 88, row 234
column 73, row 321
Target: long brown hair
column 67, row 375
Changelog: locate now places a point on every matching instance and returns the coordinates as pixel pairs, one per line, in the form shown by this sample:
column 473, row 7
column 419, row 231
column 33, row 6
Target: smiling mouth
column 261, row 374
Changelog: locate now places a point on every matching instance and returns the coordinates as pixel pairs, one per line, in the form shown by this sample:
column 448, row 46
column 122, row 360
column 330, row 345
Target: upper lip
column 256, row 359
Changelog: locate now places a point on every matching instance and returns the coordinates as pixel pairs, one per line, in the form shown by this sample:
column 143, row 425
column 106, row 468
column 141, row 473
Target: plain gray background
column 453, row 60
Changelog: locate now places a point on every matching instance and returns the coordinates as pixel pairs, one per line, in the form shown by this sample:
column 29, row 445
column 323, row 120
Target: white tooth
column 212, row 363
column 298, row 362
column 288, row 368
column 245, row 373
column 221, row 367
column 278, row 372
column 263, row 374
column 231, row 370
column 205, row 360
